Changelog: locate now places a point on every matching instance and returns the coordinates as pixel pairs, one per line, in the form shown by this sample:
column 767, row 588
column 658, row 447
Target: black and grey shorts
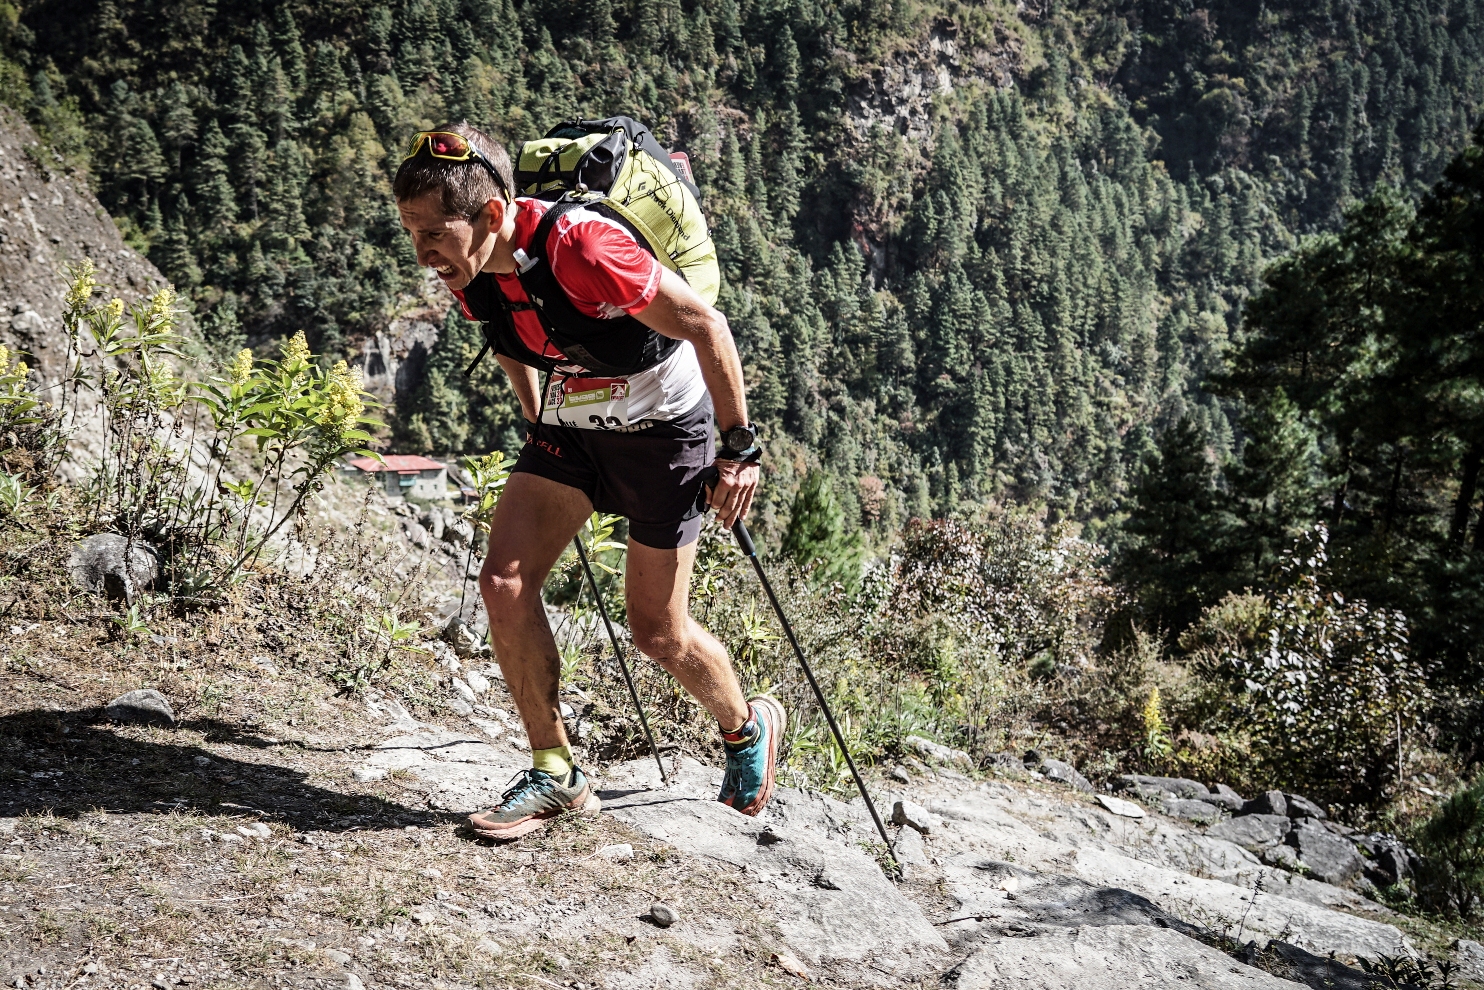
column 650, row 476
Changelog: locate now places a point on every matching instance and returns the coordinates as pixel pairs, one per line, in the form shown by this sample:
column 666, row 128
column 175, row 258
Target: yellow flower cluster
column 80, row 292
column 241, row 367
column 296, row 351
column 19, row 369
column 161, row 303
column 115, row 309
column 342, row 397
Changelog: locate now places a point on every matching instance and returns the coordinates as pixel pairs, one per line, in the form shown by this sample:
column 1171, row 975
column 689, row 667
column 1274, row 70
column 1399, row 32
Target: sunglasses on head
column 451, row 147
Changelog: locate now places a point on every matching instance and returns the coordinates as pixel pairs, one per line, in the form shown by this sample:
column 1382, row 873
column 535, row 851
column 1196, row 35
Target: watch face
column 740, row 438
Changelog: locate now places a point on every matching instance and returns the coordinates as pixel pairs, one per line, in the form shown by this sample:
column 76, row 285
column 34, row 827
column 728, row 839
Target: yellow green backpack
column 617, row 165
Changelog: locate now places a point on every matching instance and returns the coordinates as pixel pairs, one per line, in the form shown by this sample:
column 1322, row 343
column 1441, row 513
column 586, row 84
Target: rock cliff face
column 48, row 219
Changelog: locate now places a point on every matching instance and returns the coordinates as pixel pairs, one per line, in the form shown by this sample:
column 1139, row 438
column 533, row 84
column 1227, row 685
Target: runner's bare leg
column 534, row 522
column 658, row 586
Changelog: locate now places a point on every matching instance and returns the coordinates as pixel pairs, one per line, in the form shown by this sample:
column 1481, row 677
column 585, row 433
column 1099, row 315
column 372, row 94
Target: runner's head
column 453, row 192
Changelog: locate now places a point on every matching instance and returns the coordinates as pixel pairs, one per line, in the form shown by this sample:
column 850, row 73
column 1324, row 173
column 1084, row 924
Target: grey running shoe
column 534, row 797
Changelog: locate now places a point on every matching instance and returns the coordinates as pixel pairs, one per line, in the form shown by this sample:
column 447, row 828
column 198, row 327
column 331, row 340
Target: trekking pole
column 744, row 540
column 622, row 663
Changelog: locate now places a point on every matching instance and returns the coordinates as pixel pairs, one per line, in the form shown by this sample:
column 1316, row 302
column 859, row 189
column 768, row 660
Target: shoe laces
column 521, row 783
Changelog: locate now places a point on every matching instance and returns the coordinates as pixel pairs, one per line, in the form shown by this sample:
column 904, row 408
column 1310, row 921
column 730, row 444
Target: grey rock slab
column 1109, row 957
column 99, row 564
column 1469, row 955
column 1182, row 787
column 1284, row 858
column 867, row 917
column 145, row 706
column 1253, row 832
column 1158, row 859
column 1328, row 856
column 909, row 848
column 1064, row 773
column 458, row 772
column 1191, row 810
column 1120, row 807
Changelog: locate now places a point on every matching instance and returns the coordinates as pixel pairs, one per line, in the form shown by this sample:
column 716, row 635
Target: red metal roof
column 397, row 462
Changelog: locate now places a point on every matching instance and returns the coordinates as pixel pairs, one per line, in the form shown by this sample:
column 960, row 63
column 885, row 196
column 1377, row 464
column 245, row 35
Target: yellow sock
column 557, row 761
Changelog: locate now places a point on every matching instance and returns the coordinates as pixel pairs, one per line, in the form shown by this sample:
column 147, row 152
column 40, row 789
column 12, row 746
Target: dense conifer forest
column 974, row 252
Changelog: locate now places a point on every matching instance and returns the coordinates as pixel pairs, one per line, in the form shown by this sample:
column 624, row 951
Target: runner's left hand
column 732, row 495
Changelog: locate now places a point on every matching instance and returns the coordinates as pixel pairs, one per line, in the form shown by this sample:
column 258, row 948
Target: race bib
column 587, row 403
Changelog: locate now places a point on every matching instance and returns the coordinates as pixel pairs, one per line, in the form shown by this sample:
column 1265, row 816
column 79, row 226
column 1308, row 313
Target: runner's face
column 455, row 248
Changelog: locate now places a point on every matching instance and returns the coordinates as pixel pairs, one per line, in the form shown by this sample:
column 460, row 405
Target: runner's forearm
column 678, row 312
column 527, row 385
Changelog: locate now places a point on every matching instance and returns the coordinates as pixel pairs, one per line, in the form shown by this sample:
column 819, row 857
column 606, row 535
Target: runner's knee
column 508, row 584
column 659, row 640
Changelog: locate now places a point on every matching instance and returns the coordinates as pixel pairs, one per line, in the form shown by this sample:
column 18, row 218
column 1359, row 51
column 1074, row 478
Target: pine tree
column 816, row 538
column 216, row 202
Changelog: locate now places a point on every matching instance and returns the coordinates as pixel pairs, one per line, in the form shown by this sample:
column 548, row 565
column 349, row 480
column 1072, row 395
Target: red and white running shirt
column 606, row 274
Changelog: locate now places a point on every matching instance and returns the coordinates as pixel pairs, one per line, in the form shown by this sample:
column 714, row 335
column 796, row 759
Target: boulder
column 1065, row 773
column 98, row 565
column 143, row 707
column 1301, row 807
column 1199, row 812
column 1253, row 832
column 417, row 535
column 1283, row 857
column 1470, row 958
column 457, row 531
column 1328, row 856
column 433, row 521
column 462, row 637
column 1266, row 803
column 1224, row 797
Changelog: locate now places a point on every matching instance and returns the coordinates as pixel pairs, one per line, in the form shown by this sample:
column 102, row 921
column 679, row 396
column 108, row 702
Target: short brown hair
column 465, row 186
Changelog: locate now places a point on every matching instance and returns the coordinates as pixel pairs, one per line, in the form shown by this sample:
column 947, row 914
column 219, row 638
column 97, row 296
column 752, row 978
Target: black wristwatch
column 740, row 444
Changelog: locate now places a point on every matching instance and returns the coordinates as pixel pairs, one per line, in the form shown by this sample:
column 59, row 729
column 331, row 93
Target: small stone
column 256, row 830
column 478, row 683
column 1266, row 803
column 431, row 873
column 928, row 749
column 424, row 916
column 620, row 853
column 662, row 914
column 461, row 707
column 159, row 984
column 465, row 691
column 337, row 957
column 913, row 814
column 791, row 966
column 89, row 968
column 900, row 775
column 145, row 706
column 353, row 982
column 366, row 774
column 1118, row 806
column 566, row 710
column 1302, row 807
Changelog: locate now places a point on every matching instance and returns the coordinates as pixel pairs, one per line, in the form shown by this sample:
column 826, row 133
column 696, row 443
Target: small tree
column 1451, row 878
column 816, row 537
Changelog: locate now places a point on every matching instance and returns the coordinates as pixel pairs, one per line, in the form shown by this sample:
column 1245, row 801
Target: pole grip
column 744, row 538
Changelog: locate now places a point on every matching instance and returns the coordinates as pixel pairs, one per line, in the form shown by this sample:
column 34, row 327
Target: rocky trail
column 283, row 836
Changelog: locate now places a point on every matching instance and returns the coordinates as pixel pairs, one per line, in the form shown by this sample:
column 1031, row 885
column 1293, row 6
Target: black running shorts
column 651, row 476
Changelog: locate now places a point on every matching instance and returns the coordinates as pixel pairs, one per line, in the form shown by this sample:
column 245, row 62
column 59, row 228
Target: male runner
column 640, row 447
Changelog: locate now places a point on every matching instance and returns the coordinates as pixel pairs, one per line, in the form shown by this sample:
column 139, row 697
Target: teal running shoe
column 533, row 798
column 752, row 757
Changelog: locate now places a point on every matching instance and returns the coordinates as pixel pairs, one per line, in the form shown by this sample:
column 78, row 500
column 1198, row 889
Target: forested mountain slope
column 971, row 249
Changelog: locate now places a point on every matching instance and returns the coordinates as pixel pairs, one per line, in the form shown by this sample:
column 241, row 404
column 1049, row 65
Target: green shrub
column 1451, row 878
